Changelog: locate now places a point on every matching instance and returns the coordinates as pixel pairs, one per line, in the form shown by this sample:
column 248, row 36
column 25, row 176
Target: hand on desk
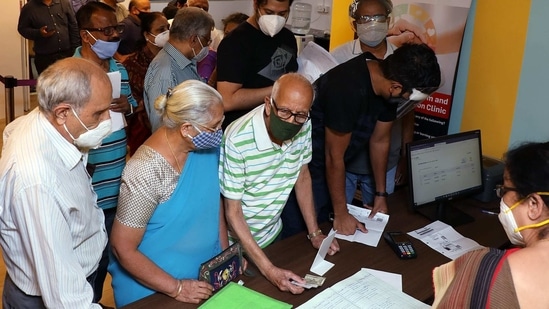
column 346, row 224
column 193, row 291
column 281, row 279
column 317, row 241
column 380, row 205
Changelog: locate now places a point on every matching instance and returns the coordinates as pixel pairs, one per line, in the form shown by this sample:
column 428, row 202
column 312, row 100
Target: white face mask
column 203, row 52
column 271, row 24
column 91, row 139
column 160, row 39
column 372, row 33
column 509, row 224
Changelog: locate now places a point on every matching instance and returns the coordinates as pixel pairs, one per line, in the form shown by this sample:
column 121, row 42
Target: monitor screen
column 441, row 169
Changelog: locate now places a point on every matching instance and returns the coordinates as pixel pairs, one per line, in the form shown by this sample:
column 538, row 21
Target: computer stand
column 446, row 213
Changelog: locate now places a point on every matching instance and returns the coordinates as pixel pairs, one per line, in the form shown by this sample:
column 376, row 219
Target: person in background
column 52, row 26
column 170, row 218
column 343, row 126
column 216, row 35
column 513, row 278
column 132, row 31
column 154, row 35
column 100, row 34
column 252, row 57
column 52, row 232
column 171, row 9
column 119, row 9
column 232, row 21
column 265, row 154
column 176, row 62
column 370, row 21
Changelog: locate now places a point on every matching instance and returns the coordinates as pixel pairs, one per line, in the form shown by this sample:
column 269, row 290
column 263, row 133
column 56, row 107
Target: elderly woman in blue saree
column 169, row 218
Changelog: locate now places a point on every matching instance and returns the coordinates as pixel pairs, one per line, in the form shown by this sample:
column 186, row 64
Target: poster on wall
column 442, row 23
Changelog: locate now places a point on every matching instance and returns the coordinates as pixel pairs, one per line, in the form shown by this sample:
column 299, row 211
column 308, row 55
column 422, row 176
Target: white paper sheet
column 117, row 119
column 320, row 265
column 375, row 226
column 444, row 239
column 392, row 279
column 362, row 291
column 314, row 61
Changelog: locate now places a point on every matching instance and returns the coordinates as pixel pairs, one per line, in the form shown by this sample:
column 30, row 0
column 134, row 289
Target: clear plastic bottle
column 301, row 18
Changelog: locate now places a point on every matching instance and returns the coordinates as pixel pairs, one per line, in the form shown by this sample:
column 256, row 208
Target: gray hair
column 353, row 7
column 191, row 21
column 190, row 101
column 68, row 81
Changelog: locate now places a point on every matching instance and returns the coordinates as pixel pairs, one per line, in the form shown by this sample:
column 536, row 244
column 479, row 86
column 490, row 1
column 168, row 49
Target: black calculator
column 400, row 244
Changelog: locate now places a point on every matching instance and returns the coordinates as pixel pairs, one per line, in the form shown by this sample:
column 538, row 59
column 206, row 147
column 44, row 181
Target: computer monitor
column 442, row 169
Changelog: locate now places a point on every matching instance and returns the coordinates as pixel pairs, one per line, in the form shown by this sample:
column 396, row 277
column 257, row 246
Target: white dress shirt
column 52, row 232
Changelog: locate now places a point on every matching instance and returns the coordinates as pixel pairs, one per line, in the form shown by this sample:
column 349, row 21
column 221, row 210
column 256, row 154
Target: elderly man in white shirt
column 52, row 232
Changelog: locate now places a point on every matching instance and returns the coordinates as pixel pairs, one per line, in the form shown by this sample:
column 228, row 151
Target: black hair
column 528, row 168
column 147, row 19
column 84, row 14
column 236, row 18
column 413, row 66
column 262, row 2
column 169, row 11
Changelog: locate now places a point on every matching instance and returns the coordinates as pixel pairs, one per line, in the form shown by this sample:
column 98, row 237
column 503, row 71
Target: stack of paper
column 361, row 291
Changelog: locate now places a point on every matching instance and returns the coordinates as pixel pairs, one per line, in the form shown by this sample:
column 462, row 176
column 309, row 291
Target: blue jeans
column 367, row 185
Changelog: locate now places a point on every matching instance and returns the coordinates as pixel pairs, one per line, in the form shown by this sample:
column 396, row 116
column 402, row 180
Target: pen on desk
column 486, row 211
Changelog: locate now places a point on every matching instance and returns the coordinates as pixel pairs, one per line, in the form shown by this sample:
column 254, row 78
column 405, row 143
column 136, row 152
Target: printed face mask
column 372, row 33
column 206, row 140
column 271, row 24
column 160, row 39
column 92, row 138
column 104, row 49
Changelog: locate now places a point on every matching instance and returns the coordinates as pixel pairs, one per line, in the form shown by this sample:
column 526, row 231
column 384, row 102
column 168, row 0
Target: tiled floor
column 108, row 299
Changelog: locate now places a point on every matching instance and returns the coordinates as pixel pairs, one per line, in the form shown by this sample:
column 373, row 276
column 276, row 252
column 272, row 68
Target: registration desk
column 297, row 254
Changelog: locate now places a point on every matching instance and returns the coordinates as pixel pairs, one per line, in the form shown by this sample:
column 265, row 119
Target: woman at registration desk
column 514, row 278
column 169, row 218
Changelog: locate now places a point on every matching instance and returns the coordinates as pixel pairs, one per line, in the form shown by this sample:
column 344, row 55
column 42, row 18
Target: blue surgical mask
column 202, row 53
column 206, row 140
column 104, row 49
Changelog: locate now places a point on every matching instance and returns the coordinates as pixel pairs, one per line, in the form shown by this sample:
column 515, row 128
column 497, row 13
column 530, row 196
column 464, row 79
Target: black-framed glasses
column 501, row 190
column 108, row 31
column 380, row 18
column 284, row 113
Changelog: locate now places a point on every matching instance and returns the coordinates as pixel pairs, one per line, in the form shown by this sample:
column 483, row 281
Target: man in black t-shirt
column 355, row 106
column 253, row 56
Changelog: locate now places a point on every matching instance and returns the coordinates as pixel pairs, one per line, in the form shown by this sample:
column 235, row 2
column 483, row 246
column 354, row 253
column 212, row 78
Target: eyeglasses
column 211, row 129
column 284, row 113
column 380, row 18
column 501, row 190
column 208, row 43
column 108, row 31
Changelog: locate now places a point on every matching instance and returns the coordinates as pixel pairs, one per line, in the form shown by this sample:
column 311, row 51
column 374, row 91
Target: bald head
column 294, row 87
column 137, row 6
column 70, row 81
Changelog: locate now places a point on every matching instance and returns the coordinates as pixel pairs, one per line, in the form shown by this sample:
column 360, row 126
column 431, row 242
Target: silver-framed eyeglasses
column 284, row 113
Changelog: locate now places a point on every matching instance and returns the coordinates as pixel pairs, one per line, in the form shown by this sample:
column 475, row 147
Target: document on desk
column 375, row 226
column 235, row 296
column 320, row 265
column 117, row 119
column 362, row 290
column 442, row 238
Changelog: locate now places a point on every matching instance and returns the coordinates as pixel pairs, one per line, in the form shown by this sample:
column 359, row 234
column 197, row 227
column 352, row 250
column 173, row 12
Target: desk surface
column 296, row 254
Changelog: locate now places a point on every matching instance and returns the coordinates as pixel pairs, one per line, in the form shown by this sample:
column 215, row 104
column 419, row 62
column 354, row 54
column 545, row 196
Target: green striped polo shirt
column 260, row 173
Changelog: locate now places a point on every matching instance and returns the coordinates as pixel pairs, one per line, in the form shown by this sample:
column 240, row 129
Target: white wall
column 11, row 54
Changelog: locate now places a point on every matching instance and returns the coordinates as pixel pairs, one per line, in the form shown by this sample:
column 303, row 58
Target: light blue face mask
column 104, row 49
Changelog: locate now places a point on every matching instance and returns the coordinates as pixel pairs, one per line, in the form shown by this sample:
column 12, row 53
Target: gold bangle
column 314, row 234
column 179, row 288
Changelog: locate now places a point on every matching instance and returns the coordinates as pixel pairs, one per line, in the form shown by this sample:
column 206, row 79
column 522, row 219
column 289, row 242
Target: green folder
column 236, row 296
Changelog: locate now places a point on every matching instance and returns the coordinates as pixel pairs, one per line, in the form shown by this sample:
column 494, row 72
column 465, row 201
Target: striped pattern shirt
column 260, row 173
column 52, row 232
column 110, row 158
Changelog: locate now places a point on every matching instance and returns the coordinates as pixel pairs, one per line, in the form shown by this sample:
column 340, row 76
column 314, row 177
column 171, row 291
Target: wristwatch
column 383, row 194
column 314, row 234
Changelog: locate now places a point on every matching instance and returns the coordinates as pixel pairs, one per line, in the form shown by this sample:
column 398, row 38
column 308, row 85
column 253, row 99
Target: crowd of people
column 226, row 144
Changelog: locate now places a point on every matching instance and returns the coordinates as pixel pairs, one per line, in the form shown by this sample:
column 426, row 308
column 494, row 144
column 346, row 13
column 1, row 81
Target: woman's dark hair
column 147, row 19
column 236, row 18
column 528, row 169
column 413, row 66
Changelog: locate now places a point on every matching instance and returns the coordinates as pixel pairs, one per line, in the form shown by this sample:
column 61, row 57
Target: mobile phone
column 400, row 244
